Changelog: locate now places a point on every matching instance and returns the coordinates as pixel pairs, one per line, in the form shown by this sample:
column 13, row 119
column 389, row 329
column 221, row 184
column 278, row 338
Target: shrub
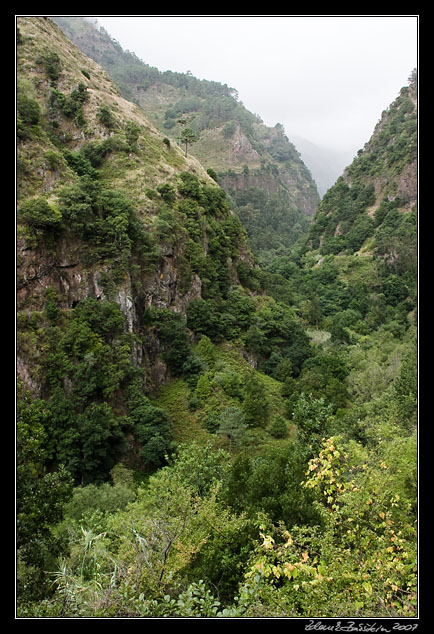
column 51, row 64
column 132, row 131
column 37, row 213
column 106, row 117
column 189, row 186
column 206, row 351
column 173, row 335
column 54, row 159
column 71, row 106
column 152, row 429
column 312, row 417
column 279, row 427
column 212, row 422
column 395, row 290
column 230, row 383
column 213, row 174
column 192, row 368
column 106, row 497
column 233, row 426
column 255, row 404
column 362, row 229
column 28, row 110
column 204, row 318
column 283, row 369
column 80, row 163
column 167, row 192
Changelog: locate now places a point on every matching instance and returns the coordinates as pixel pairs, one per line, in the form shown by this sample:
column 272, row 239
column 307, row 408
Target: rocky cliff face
column 302, row 197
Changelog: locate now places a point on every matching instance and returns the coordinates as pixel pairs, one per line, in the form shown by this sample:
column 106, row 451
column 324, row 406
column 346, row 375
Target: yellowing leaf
column 367, row 586
column 268, row 541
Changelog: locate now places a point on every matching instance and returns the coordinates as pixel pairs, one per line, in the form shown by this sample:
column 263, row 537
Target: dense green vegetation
column 277, row 534
column 272, row 222
column 243, row 445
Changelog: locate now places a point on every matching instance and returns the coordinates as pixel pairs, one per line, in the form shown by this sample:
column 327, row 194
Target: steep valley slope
column 256, row 165
column 123, row 242
column 198, row 435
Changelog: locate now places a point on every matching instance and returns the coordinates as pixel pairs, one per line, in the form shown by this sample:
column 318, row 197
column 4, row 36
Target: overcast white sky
column 324, row 78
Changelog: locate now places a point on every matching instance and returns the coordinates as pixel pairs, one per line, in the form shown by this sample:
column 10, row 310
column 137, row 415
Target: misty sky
column 324, row 78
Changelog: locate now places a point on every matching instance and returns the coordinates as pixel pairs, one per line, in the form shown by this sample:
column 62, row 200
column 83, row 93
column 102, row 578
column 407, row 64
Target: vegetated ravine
column 207, row 425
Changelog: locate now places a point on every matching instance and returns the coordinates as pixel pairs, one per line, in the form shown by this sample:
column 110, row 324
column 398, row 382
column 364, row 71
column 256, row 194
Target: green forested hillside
column 356, row 267
column 257, row 166
column 197, row 435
